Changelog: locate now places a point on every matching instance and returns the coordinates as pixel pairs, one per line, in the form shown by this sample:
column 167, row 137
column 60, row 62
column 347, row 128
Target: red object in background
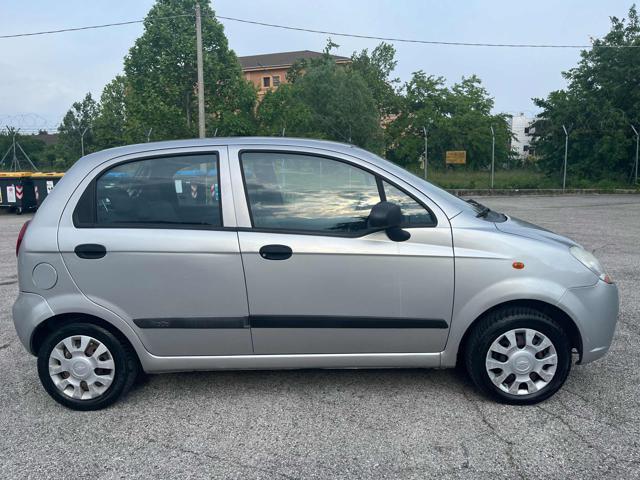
column 21, row 236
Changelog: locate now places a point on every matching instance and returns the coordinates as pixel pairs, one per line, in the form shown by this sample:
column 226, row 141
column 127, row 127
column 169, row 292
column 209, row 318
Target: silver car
column 269, row 253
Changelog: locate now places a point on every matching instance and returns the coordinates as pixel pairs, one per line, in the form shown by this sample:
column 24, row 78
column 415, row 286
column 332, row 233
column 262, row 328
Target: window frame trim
column 319, row 233
column 155, row 226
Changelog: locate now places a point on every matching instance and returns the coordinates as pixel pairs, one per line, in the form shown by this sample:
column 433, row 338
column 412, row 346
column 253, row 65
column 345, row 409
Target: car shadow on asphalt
column 304, row 382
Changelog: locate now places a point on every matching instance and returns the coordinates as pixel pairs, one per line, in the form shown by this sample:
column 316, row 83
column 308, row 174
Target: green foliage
column 328, row 101
column 110, row 125
column 161, row 76
column 598, row 107
column 157, row 91
column 81, row 116
column 456, row 118
column 43, row 156
column 376, row 69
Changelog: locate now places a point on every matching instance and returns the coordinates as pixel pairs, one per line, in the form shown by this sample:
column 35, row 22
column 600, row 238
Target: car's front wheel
column 85, row 367
column 518, row 355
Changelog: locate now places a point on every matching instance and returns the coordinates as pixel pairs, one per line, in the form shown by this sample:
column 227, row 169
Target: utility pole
column 82, row 140
column 493, row 154
column 426, row 151
column 201, row 129
column 566, row 147
column 637, row 145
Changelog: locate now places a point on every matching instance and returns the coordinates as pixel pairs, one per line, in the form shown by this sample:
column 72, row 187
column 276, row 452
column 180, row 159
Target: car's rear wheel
column 518, row 355
column 85, row 367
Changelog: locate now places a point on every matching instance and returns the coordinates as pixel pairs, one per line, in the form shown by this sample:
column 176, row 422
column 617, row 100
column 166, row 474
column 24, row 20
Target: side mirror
column 387, row 216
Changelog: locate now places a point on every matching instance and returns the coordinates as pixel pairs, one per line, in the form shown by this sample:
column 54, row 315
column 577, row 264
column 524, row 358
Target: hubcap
column 81, row 367
column 521, row 361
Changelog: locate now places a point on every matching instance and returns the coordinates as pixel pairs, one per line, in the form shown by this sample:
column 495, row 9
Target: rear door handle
column 276, row 252
column 91, row 251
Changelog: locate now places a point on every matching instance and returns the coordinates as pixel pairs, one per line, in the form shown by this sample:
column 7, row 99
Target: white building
column 522, row 131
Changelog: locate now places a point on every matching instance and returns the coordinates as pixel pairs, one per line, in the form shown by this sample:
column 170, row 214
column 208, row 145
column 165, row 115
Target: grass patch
column 512, row 179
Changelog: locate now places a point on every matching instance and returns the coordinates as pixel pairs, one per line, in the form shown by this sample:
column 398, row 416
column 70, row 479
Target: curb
column 541, row 191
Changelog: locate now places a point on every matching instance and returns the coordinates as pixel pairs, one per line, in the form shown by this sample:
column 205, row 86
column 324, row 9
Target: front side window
column 181, row 190
column 308, row 193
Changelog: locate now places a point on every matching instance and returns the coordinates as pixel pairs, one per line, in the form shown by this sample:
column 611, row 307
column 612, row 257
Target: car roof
column 338, row 147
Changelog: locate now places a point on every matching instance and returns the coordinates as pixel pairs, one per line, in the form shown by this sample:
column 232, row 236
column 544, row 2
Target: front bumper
column 595, row 311
column 29, row 310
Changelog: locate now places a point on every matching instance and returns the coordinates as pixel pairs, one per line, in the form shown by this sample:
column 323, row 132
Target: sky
column 40, row 77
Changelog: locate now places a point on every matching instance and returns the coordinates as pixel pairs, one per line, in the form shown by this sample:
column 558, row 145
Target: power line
column 326, row 32
column 88, row 27
column 427, row 42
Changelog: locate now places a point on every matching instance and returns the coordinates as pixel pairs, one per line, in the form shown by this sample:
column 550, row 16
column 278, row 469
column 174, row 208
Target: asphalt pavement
column 321, row 424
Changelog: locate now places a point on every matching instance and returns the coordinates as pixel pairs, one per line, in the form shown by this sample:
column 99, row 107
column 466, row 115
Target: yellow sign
column 457, row 157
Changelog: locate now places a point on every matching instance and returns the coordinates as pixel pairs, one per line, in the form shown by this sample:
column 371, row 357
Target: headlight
column 591, row 262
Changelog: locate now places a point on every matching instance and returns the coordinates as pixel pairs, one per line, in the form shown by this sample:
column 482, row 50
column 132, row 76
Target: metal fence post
column 426, row 151
column 493, row 154
column 637, row 145
column 566, row 146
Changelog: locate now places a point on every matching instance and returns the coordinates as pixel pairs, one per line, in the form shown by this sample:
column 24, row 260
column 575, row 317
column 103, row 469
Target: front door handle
column 91, row 251
column 276, row 252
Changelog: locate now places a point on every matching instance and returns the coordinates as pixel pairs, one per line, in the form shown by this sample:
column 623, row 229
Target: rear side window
column 308, row 193
column 163, row 192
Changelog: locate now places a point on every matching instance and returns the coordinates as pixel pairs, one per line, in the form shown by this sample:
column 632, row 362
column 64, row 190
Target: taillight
column 21, row 236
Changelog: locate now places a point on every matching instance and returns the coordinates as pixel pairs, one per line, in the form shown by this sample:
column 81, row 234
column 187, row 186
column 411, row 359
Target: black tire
column 124, row 357
column 18, row 210
column 500, row 322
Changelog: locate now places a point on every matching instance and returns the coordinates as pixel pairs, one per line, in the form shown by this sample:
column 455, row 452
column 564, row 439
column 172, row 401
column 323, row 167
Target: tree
column 161, row 76
column 80, row 116
column 325, row 101
column 283, row 111
column 376, row 69
column 111, row 122
column 598, row 107
column 457, row 118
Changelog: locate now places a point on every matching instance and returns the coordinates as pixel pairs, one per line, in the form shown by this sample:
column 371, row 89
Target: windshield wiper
column 481, row 209
column 483, row 212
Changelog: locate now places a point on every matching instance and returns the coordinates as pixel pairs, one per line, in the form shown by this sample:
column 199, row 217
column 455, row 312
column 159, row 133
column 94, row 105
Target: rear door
column 318, row 280
column 153, row 239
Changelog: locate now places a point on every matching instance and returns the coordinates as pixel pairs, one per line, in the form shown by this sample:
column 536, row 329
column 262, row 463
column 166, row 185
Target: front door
column 318, row 280
column 148, row 242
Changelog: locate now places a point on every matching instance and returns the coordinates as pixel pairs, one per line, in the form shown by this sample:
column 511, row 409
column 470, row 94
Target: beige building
column 268, row 71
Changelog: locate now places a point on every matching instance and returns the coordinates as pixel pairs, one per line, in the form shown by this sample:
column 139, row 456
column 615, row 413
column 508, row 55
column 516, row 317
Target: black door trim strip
column 193, row 322
column 290, row 321
column 321, row 321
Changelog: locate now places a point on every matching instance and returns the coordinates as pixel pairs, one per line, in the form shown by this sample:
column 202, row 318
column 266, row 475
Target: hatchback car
column 269, row 253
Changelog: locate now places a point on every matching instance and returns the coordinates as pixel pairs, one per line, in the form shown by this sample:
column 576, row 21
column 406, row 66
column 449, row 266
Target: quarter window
column 308, row 193
column 181, row 190
column 414, row 214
